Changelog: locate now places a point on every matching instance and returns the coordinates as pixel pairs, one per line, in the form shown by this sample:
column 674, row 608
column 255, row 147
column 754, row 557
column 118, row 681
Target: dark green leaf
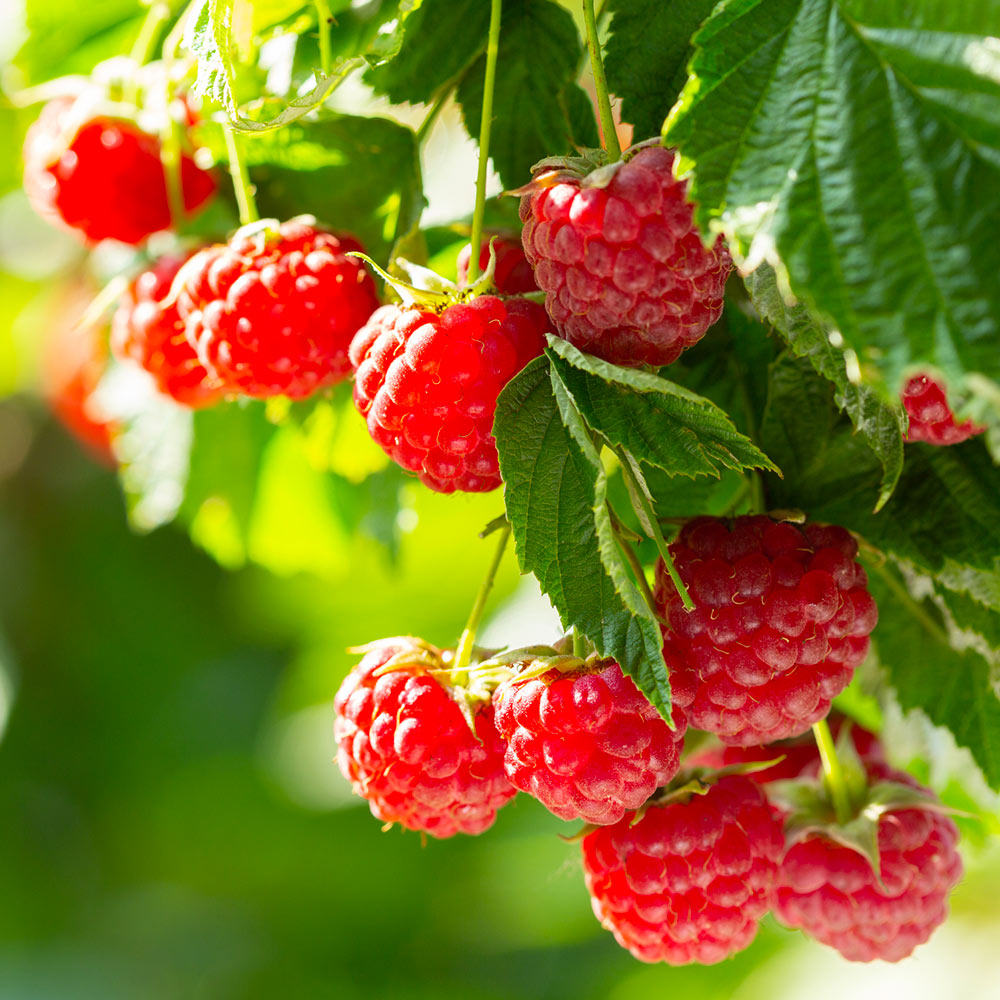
column 555, row 498
column 857, row 144
column 646, row 56
column 881, row 423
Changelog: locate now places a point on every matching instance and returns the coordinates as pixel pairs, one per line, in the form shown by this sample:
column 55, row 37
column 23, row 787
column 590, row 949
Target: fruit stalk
column 833, row 772
column 465, row 645
column 324, row 18
column 241, row 178
column 145, row 42
column 610, row 133
column 492, row 48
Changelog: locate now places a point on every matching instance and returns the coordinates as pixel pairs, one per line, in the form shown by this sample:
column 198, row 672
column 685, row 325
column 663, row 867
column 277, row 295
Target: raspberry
column 931, row 419
column 427, row 384
column 147, row 329
column 512, row 274
column 830, row 891
column 273, row 311
column 625, row 272
column 586, row 743
column 103, row 178
column 781, row 619
column 687, row 881
column 406, row 747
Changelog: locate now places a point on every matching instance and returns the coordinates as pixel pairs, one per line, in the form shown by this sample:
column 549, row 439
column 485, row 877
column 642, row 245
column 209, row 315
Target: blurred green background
column 171, row 821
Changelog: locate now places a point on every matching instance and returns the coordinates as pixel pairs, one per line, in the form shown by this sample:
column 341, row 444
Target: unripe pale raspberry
column 687, row 881
column 427, row 384
column 147, row 329
column 273, row 311
column 512, row 274
column 105, row 178
column 586, row 743
column 931, row 419
column 831, row 892
column 781, row 618
column 625, row 273
column 406, row 747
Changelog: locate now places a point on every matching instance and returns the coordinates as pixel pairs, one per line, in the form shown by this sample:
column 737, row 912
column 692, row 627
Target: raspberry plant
column 738, row 380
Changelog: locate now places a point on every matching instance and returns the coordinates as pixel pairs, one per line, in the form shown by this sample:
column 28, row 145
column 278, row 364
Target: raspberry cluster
column 625, row 273
column 272, row 312
column 427, row 384
column 103, row 177
column 781, row 618
column 148, row 330
column 931, row 419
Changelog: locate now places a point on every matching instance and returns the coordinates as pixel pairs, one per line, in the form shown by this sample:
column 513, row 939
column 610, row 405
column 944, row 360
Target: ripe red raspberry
column 830, row 891
column 586, row 743
column 103, row 177
column 512, row 274
column 781, row 619
column 427, row 384
column 624, row 270
column 147, row 329
column 272, row 312
column 931, row 419
column 406, row 747
column 687, row 881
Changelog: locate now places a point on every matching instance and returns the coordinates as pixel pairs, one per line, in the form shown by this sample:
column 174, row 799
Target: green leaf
column 951, row 686
column 659, row 422
column 882, row 424
column 856, row 145
column 555, row 498
column 537, row 105
column 646, row 56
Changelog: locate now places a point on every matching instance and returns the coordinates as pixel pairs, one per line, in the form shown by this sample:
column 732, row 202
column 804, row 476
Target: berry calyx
column 512, row 274
column 101, row 175
column 625, row 273
column 405, row 743
column 781, row 619
column 582, row 739
column 272, row 312
column 148, row 330
column 931, row 418
column 427, row 378
column 687, row 880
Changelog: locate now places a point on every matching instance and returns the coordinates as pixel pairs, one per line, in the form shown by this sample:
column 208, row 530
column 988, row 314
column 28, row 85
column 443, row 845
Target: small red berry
column 427, row 383
column 831, row 892
column 781, row 618
column 406, row 747
column 625, row 273
column 931, row 419
column 512, row 274
column 147, row 329
column 103, row 177
column 272, row 312
column 687, row 881
column 587, row 743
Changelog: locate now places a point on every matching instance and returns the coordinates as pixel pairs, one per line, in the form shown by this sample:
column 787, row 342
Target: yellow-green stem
column 431, row 117
column 241, row 178
column 833, row 772
column 610, row 133
column 468, row 641
column 489, row 85
column 145, row 42
column 324, row 17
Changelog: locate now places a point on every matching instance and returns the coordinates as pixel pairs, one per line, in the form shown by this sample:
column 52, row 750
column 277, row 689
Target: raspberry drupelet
column 781, row 618
column 624, row 270
column 687, row 881
column 586, row 742
column 405, row 745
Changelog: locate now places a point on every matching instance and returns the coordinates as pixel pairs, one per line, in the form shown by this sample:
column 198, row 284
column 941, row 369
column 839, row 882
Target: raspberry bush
column 701, row 356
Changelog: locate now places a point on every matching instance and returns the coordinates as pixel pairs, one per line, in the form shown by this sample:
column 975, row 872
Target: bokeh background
column 171, row 820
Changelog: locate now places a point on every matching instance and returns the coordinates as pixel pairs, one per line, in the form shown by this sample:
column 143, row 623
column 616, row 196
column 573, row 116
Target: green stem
column 639, row 573
column 580, row 645
column 601, row 84
column 468, row 641
column 758, row 502
column 324, row 16
column 833, row 772
column 431, row 117
column 145, row 42
column 170, row 157
column 241, row 178
column 651, row 523
column 489, row 85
